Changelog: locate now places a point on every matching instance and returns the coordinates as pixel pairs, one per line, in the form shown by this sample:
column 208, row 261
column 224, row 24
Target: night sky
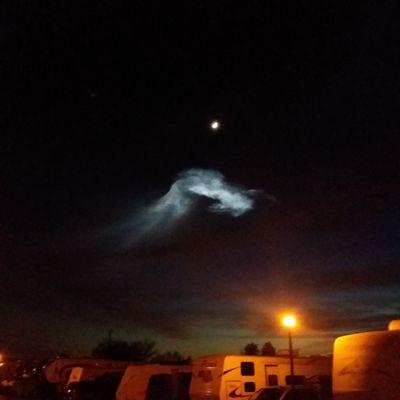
column 105, row 103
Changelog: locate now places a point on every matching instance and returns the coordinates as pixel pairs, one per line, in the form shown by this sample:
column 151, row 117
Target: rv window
column 160, row 380
column 159, row 387
column 249, row 387
column 273, row 380
column 184, row 378
column 247, row 368
column 183, row 384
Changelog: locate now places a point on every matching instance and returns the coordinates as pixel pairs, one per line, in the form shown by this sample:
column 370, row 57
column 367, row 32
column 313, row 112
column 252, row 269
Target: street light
column 289, row 322
column 215, row 125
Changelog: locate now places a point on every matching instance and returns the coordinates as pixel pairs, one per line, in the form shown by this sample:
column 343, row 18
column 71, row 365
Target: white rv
column 58, row 371
column 366, row 365
column 155, row 382
column 226, row 377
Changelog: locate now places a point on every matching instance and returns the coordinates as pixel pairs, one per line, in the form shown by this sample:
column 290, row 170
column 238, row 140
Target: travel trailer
column 155, row 382
column 366, row 365
column 225, row 377
column 58, row 370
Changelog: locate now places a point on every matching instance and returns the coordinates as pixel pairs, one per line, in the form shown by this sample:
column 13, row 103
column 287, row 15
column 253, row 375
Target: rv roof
column 269, row 359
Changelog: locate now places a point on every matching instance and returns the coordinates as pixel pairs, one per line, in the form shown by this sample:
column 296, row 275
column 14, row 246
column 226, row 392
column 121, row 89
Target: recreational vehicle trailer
column 155, row 382
column 226, row 377
column 366, row 365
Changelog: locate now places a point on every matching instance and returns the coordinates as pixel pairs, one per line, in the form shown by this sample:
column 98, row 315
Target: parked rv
column 225, row 377
column 366, row 365
column 155, row 382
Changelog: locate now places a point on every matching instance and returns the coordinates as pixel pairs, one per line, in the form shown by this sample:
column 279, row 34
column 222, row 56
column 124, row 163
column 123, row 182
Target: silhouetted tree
column 142, row 350
column 171, row 357
column 268, row 349
column 139, row 351
column 251, row 349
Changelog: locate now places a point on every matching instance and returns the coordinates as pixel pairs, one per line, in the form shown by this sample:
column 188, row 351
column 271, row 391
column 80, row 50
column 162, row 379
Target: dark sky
column 105, row 102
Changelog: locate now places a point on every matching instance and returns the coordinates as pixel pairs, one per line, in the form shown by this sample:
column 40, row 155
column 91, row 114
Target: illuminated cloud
column 208, row 183
column 189, row 186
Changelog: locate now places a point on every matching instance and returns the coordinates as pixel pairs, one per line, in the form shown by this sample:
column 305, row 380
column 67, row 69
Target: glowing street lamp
column 289, row 322
column 215, row 125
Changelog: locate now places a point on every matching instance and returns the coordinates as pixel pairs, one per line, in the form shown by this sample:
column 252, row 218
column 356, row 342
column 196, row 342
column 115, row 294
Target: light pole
column 289, row 322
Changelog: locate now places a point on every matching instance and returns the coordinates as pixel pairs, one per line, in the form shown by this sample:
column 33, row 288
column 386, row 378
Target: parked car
column 287, row 393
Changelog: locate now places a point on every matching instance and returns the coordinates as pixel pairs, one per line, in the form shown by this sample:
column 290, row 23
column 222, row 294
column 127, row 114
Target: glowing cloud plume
column 188, row 187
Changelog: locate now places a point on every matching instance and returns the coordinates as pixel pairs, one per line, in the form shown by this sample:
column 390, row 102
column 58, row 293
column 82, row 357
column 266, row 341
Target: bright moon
column 214, row 125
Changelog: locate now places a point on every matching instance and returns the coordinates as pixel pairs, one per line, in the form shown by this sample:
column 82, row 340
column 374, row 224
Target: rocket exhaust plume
column 188, row 187
column 228, row 198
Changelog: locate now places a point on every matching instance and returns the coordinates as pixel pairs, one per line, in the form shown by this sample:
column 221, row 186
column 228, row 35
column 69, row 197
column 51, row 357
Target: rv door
column 272, row 375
